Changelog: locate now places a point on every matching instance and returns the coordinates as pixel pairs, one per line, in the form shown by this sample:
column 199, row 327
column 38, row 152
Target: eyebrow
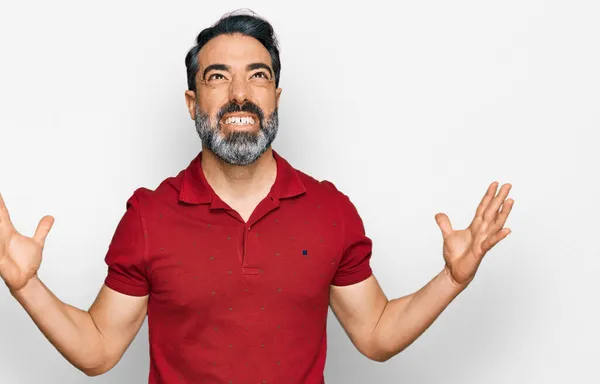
column 224, row 67
column 254, row 66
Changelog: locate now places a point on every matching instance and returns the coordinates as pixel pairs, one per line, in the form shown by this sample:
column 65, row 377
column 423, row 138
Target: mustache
column 248, row 106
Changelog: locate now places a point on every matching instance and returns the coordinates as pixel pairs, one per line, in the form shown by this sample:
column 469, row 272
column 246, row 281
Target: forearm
column 70, row 330
column 406, row 318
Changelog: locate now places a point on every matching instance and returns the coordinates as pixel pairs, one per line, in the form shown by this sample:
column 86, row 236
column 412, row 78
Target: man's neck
column 245, row 182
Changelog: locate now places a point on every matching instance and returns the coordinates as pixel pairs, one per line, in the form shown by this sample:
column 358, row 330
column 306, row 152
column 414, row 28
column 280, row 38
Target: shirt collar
column 196, row 190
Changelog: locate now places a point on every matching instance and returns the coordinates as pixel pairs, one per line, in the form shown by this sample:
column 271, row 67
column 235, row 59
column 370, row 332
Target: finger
column 4, row 215
column 485, row 200
column 43, row 229
column 492, row 209
column 494, row 239
column 503, row 215
column 444, row 223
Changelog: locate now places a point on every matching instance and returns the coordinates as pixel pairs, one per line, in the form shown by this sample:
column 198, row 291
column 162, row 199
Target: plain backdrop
column 410, row 108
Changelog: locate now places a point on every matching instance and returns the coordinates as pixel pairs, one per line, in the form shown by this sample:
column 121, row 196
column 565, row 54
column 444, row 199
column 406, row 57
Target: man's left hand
column 464, row 249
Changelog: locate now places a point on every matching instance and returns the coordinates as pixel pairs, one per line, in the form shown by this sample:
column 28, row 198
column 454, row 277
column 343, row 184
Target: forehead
column 233, row 50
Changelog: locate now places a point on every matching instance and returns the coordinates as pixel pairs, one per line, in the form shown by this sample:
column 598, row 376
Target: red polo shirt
column 236, row 302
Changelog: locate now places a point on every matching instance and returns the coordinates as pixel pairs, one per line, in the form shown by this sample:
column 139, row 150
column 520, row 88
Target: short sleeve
column 125, row 257
column 354, row 265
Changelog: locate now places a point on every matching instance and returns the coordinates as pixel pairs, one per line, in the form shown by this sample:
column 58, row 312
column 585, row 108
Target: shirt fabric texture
column 233, row 301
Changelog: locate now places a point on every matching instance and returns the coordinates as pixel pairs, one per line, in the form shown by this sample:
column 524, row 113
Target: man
column 236, row 259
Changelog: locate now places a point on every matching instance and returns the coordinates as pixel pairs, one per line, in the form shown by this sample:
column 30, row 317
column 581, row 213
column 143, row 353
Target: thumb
column 43, row 229
column 444, row 223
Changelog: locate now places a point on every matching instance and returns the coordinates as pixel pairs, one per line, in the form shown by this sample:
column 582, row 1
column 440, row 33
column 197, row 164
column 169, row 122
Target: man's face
column 235, row 103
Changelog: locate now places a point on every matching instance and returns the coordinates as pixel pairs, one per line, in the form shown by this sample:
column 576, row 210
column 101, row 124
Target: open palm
column 464, row 249
column 20, row 256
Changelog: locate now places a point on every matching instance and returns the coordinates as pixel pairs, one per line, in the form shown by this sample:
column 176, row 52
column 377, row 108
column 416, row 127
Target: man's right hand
column 93, row 340
column 20, row 256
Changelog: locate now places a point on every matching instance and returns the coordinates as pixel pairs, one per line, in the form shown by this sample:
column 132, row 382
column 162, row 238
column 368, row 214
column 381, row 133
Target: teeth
column 239, row 120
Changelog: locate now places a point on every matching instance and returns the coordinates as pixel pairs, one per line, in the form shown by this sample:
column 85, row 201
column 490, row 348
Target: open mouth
column 240, row 121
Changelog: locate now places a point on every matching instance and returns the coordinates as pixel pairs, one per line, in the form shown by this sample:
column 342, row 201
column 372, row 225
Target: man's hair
column 246, row 23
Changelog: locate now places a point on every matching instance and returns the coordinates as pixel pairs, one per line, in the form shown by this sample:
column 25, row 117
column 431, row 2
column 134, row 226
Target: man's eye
column 216, row 76
column 261, row 74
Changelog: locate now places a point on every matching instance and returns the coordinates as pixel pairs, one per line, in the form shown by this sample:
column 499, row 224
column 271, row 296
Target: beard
column 237, row 147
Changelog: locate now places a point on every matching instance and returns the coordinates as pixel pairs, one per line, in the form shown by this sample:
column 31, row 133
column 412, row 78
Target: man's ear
column 278, row 95
column 190, row 101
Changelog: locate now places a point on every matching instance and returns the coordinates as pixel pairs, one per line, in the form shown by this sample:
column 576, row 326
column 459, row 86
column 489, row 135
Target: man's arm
column 382, row 328
column 93, row 341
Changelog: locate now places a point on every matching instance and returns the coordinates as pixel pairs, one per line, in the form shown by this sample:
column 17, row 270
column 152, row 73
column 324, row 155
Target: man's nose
column 239, row 90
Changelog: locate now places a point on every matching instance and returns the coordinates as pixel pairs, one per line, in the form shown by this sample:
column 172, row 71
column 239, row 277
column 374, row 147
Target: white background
column 411, row 108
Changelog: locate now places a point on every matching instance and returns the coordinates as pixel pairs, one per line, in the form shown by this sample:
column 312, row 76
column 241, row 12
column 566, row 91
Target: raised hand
column 464, row 249
column 20, row 256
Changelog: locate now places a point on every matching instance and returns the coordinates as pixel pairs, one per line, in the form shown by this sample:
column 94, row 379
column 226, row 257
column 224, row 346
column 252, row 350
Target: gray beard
column 237, row 148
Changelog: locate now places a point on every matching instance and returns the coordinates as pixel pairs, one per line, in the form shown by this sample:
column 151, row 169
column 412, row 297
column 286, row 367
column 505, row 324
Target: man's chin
column 238, row 160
